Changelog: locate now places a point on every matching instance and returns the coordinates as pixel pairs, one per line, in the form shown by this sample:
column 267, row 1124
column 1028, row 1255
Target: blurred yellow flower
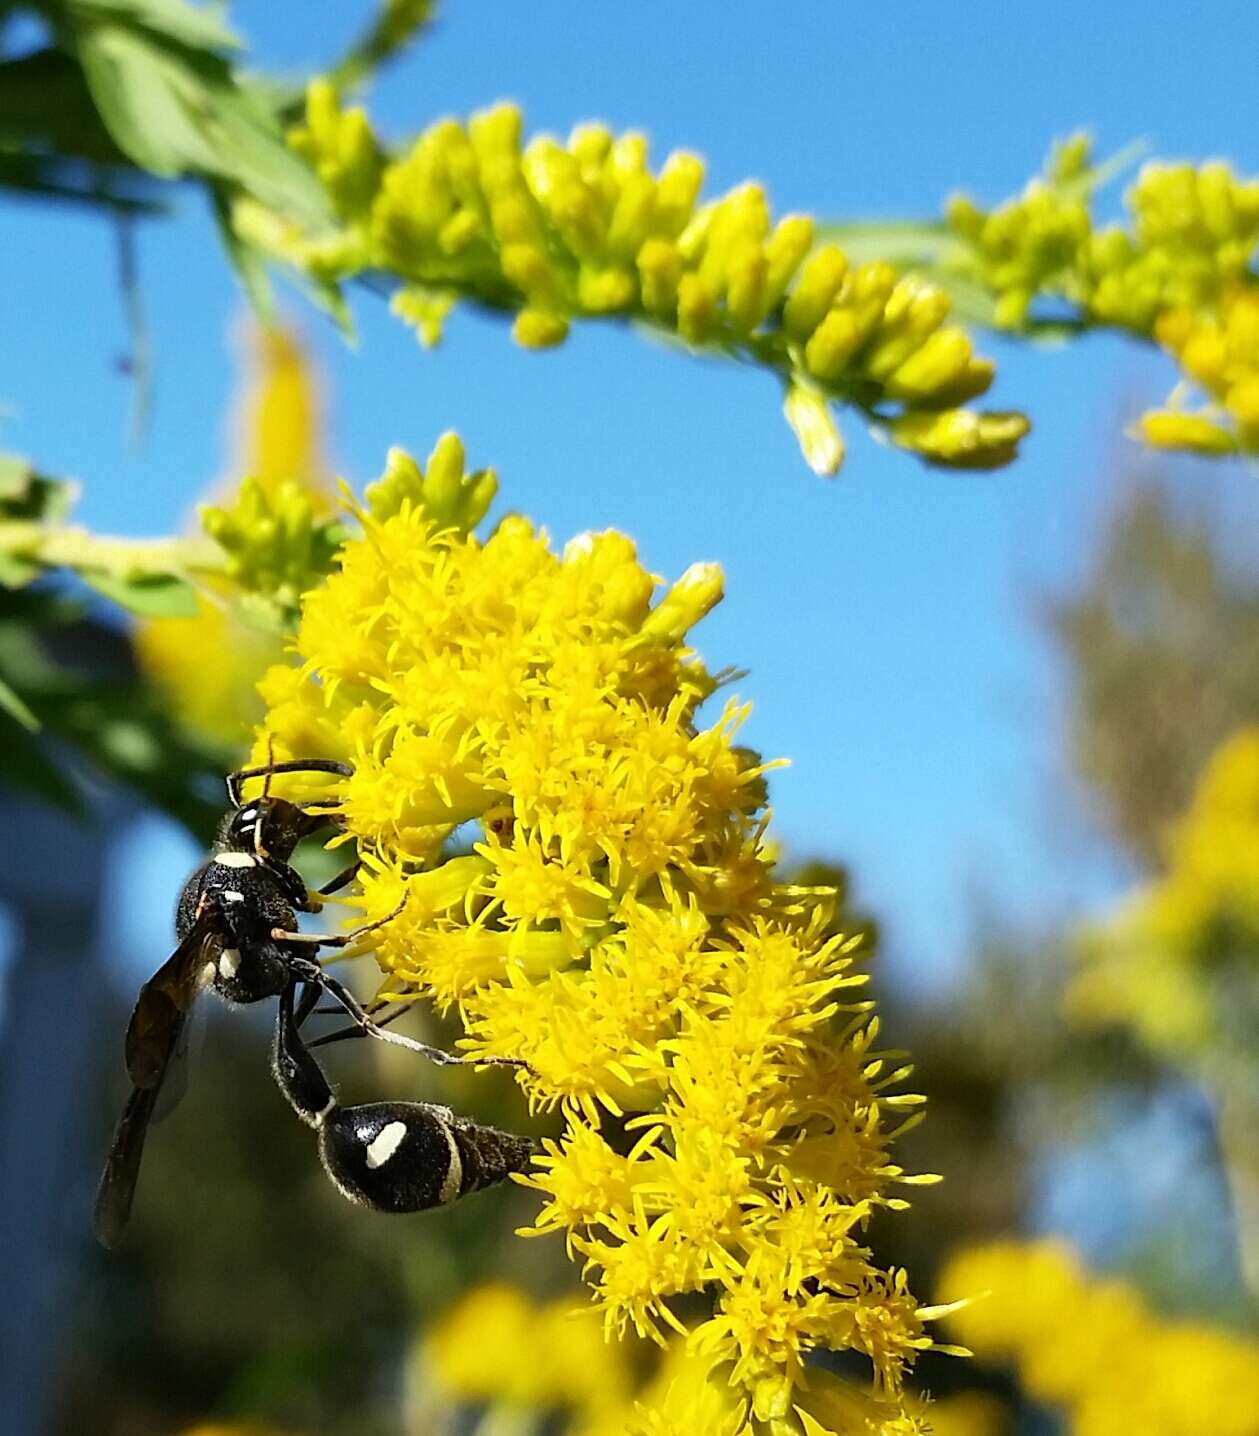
column 1178, row 958
column 533, row 1367
column 280, row 450
column 1092, row 1348
column 588, row 884
column 1219, row 352
column 495, row 1346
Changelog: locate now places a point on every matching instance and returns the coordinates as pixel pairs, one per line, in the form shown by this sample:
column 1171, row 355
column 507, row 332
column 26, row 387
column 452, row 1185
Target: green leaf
column 174, row 19
column 12, row 704
column 149, row 595
column 176, row 110
column 246, row 259
column 17, row 571
column 29, row 496
column 906, row 243
column 47, row 107
column 145, row 101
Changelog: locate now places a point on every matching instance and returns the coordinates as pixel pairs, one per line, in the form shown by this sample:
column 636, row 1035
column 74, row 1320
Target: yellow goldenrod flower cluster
column 1181, row 271
column 1178, row 961
column 1093, row 1349
column 576, row 862
column 551, row 1362
column 550, row 1368
column 1191, row 237
column 1219, row 352
column 1031, row 245
column 274, row 542
column 551, row 231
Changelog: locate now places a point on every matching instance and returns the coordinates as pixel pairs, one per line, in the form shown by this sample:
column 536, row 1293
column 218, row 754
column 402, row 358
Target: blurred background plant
column 1092, row 1074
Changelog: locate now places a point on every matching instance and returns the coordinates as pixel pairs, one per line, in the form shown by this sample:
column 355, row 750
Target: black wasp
column 237, row 928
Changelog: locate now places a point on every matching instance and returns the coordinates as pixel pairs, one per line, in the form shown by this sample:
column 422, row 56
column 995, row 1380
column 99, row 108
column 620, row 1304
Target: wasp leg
column 340, row 939
column 342, row 879
column 390, row 1156
column 308, row 1004
column 342, row 1033
column 293, row 765
column 311, row 972
column 296, row 1072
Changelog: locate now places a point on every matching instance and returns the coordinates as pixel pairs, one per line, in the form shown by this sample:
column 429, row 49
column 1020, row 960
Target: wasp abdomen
column 410, row 1156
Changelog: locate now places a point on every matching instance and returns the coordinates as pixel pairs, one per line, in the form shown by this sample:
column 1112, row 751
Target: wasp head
column 270, row 827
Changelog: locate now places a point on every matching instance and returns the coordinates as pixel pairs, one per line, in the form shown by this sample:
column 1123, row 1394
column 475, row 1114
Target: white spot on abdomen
column 452, row 1182
column 229, row 961
column 235, row 860
column 385, row 1143
column 234, row 897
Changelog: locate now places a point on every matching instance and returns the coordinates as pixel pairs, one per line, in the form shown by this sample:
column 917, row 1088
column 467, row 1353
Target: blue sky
column 884, row 617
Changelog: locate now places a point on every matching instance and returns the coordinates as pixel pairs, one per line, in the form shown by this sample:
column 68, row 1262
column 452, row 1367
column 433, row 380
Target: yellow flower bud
column 1167, row 429
column 1242, row 401
column 696, row 593
column 785, row 250
column 575, row 211
column 813, row 424
column 628, row 156
column 914, row 310
column 833, row 344
column 697, row 309
column 539, row 329
column 1204, row 355
column 822, row 274
column 495, row 133
column 424, row 309
column 632, row 217
column 677, row 190
column 960, row 438
column 527, row 267
column 659, row 270
column 604, row 291
column 934, row 366
column 459, row 233
column 589, row 144
column 1012, row 307
column 746, row 286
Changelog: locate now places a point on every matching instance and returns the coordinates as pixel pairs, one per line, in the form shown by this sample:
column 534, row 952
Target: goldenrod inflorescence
column 551, row 231
column 274, row 530
column 1177, row 961
column 584, row 864
column 533, row 1367
column 1181, row 271
column 1092, row 1348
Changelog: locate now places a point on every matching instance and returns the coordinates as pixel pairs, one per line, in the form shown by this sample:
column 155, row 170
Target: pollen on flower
column 575, row 860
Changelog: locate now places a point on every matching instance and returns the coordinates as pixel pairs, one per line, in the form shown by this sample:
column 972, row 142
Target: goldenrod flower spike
column 1092, row 1347
column 289, row 499
column 1219, row 353
column 1182, row 272
column 618, row 923
column 554, row 231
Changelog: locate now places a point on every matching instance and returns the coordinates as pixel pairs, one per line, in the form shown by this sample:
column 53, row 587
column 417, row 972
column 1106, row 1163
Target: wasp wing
column 153, row 1039
column 163, row 1003
column 122, row 1167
